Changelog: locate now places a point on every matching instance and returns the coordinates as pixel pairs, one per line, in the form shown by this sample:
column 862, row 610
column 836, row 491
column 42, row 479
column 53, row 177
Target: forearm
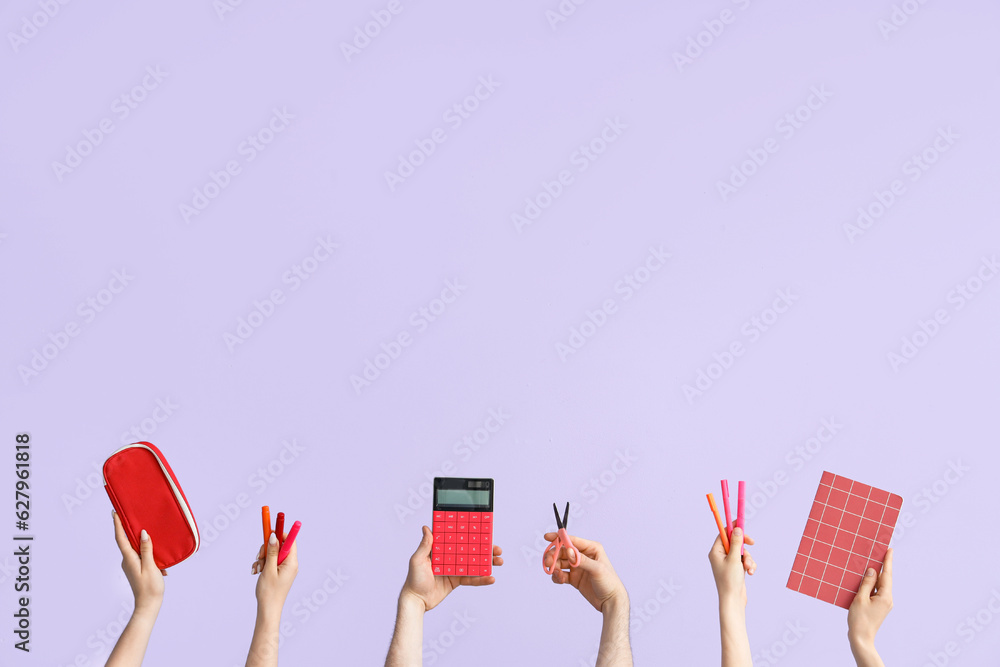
column 615, row 649
column 735, row 642
column 406, row 647
column 131, row 646
column 865, row 654
column 264, row 645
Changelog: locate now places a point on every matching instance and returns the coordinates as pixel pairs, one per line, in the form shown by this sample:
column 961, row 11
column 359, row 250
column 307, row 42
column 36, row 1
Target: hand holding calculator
column 462, row 527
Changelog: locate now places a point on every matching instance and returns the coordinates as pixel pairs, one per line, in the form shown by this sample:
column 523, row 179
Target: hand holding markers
column 285, row 542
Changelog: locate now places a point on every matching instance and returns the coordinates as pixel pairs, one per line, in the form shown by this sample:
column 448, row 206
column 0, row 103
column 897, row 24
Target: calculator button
column 462, row 548
column 462, row 570
column 438, row 527
column 462, row 527
column 450, row 526
column 474, row 538
column 438, row 569
column 439, row 547
column 437, row 559
column 450, row 538
column 474, row 570
column 473, row 548
column 449, row 559
column 461, row 560
column 463, row 516
column 486, row 516
column 462, row 538
column 474, row 516
column 439, row 516
column 450, row 516
column 449, row 548
column 485, row 570
column 473, row 527
column 449, row 570
column 486, row 528
column 485, row 547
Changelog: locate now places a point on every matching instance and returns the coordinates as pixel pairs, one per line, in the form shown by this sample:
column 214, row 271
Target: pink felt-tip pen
column 286, row 546
column 740, row 517
column 725, row 507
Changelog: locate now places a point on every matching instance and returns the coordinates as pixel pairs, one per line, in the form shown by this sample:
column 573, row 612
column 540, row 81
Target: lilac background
column 495, row 347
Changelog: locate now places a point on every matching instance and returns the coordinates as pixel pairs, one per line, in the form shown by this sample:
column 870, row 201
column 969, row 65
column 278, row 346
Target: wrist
column 861, row 643
column 616, row 603
column 411, row 602
column 147, row 608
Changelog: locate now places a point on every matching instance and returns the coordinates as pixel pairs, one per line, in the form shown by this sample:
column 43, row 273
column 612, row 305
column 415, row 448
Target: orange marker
column 718, row 521
column 265, row 517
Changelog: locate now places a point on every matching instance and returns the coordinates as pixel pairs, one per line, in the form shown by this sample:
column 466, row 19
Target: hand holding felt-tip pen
column 729, row 570
column 146, row 581
column 272, row 589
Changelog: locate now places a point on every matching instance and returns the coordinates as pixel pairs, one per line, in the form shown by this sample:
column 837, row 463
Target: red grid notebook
column 848, row 531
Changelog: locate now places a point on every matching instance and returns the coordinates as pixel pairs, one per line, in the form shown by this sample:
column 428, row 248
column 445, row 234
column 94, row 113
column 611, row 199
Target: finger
column 271, row 562
column 498, row 561
column 425, row 546
column 476, row 581
column 867, row 584
column 735, row 544
column 718, row 550
column 497, row 550
column 748, row 563
column 885, row 578
column 560, row 577
column 121, row 538
column 163, row 572
column 291, row 559
column 262, row 552
column 146, row 550
column 588, row 547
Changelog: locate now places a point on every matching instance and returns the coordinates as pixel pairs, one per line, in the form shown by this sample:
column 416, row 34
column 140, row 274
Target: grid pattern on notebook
column 848, row 531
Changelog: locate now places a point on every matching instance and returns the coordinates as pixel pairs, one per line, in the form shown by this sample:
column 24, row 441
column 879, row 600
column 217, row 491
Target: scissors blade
column 565, row 521
column 556, row 510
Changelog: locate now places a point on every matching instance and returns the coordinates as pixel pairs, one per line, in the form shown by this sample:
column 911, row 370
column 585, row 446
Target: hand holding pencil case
column 147, row 496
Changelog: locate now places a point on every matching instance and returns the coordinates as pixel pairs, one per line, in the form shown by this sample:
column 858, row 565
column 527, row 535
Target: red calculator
column 463, row 527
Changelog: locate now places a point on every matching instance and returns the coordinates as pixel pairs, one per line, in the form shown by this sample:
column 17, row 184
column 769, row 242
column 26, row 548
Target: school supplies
column 562, row 540
column 723, row 533
column 147, row 496
column 848, row 531
column 462, row 527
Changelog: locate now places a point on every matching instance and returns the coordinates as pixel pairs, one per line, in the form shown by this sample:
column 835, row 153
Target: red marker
column 279, row 527
column 287, row 545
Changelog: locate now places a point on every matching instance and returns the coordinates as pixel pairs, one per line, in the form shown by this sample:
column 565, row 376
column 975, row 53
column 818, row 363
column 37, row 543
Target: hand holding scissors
column 562, row 540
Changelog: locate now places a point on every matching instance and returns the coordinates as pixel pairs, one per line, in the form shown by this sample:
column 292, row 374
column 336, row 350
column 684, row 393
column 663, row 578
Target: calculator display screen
column 463, row 497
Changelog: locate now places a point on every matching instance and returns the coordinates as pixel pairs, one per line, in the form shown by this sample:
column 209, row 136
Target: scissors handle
column 562, row 540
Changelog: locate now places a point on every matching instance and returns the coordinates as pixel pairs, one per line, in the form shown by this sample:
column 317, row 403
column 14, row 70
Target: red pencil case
column 145, row 493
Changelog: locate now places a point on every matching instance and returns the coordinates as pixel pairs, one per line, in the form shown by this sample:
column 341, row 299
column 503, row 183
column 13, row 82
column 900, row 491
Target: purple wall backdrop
column 176, row 162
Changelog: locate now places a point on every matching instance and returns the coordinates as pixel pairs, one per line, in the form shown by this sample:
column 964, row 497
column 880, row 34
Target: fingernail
column 870, row 572
column 273, row 539
column 737, row 532
column 144, row 536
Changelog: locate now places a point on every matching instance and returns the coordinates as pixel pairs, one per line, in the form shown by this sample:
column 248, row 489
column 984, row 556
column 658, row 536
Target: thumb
column 867, row 584
column 735, row 544
column 587, row 564
column 426, row 543
column 146, row 550
column 272, row 549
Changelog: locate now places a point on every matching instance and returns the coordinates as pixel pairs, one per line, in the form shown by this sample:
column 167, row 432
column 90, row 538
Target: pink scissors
column 562, row 540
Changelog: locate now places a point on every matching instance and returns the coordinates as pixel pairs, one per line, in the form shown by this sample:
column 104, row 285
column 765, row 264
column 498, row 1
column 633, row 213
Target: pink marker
column 286, row 546
column 725, row 503
column 740, row 518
